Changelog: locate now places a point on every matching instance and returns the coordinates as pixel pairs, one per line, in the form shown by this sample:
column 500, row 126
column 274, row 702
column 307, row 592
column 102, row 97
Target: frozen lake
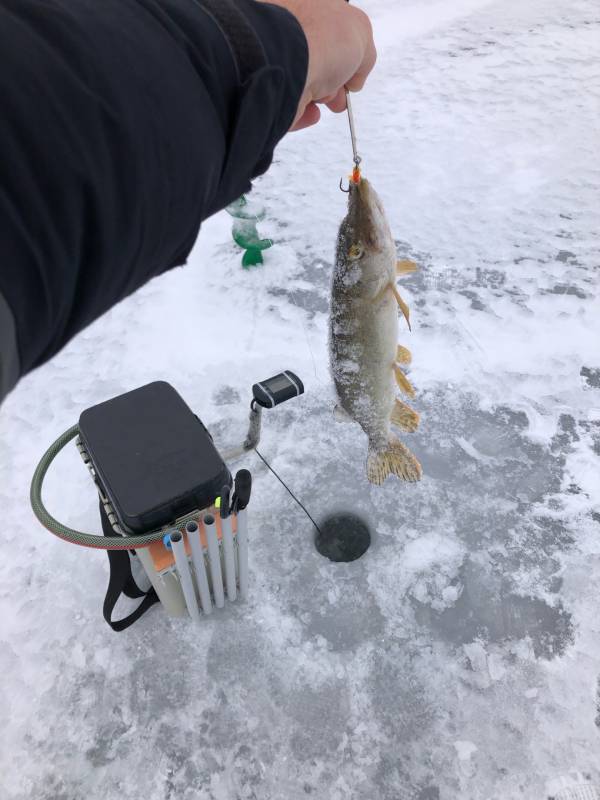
column 459, row 658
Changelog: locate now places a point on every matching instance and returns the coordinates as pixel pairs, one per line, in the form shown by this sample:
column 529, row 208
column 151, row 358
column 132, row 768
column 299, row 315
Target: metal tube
column 242, row 546
column 193, row 534
column 183, row 570
column 214, row 560
column 357, row 158
column 167, row 587
column 227, row 534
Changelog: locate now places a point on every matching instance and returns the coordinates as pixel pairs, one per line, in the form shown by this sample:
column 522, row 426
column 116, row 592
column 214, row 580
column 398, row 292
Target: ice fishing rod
column 267, row 395
column 355, row 177
column 357, row 159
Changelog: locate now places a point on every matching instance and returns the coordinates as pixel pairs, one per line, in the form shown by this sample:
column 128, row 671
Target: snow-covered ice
column 460, row 657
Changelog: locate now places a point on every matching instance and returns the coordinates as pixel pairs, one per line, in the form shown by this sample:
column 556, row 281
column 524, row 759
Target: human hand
column 341, row 54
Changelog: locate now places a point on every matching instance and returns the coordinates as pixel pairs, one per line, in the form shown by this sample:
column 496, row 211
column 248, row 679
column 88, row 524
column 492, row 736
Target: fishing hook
column 346, row 191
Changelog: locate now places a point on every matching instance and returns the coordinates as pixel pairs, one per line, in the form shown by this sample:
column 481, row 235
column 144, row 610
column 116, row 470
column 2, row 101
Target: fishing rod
column 357, row 159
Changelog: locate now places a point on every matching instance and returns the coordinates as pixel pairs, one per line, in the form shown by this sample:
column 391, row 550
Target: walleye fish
column 363, row 336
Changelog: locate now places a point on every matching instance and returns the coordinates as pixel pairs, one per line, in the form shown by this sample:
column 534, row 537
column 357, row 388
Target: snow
column 460, row 657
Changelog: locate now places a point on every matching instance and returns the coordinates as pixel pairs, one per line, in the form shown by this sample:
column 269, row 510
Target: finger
column 336, row 102
column 328, row 99
column 356, row 83
column 310, row 116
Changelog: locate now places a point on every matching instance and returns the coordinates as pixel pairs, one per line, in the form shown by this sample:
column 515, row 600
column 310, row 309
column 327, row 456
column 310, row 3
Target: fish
column 365, row 356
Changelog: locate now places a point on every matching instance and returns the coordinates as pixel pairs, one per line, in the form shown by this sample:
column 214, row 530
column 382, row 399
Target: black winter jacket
column 123, row 125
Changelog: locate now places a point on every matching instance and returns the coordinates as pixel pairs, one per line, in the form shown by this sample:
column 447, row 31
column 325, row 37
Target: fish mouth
column 361, row 213
column 360, row 188
column 359, row 197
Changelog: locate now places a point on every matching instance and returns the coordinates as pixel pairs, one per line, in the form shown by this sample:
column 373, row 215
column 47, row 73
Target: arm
column 125, row 123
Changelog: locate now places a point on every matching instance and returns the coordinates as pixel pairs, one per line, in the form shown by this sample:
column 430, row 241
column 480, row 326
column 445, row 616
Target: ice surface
column 460, row 657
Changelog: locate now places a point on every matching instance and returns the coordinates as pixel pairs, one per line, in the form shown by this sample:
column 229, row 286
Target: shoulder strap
column 121, row 582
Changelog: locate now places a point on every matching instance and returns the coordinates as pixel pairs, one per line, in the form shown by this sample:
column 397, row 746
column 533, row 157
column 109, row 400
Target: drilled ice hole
column 343, row 537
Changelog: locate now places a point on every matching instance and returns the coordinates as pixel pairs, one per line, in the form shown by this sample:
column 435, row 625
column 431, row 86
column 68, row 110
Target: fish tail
column 396, row 459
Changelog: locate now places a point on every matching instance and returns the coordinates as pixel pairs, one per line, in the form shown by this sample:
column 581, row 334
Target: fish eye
column 356, row 252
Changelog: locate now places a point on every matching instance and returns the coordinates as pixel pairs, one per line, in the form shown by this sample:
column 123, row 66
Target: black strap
column 244, row 43
column 121, row 582
column 9, row 358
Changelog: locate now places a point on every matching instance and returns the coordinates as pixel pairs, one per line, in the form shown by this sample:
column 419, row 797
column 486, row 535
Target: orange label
column 163, row 557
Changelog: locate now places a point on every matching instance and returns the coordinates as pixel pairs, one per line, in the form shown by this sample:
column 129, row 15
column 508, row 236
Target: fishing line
column 287, row 488
column 304, row 328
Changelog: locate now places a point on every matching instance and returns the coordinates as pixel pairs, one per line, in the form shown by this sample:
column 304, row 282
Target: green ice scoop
column 245, row 234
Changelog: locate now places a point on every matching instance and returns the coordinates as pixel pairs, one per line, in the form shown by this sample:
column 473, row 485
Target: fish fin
column 403, row 355
column 405, row 266
column 395, row 460
column 403, row 307
column 403, row 382
column 404, row 417
column 340, row 415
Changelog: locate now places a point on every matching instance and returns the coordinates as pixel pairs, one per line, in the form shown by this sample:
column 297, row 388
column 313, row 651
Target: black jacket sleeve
column 124, row 124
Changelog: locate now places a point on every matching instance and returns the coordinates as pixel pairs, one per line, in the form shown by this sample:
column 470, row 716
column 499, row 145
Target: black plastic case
column 154, row 459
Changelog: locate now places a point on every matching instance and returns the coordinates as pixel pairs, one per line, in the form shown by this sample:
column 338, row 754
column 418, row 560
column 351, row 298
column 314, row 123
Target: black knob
column 243, row 488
